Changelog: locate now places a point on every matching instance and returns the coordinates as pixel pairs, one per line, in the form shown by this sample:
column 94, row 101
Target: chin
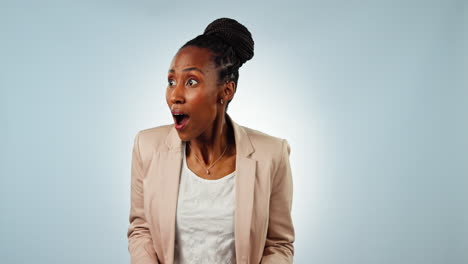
column 182, row 136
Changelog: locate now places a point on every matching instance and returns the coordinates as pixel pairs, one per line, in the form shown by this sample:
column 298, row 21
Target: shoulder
column 261, row 138
column 154, row 134
column 150, row 139
column 266, row 145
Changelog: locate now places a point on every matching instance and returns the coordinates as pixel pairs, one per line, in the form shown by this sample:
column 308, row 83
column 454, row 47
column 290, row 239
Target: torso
column 205, row 215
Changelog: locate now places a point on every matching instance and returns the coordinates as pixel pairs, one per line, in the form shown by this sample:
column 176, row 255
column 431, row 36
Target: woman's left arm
column 279, row 246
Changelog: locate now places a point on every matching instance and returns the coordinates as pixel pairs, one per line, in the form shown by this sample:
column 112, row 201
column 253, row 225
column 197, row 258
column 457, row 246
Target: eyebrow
column 188, row 69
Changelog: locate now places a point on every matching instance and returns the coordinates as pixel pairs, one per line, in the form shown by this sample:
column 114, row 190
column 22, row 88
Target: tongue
column 182, row 121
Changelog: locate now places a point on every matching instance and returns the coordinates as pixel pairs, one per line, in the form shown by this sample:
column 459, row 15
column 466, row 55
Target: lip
column 177, row 112
column 183, row 124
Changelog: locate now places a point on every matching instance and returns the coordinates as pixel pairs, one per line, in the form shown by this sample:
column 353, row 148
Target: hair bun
column 235, row 34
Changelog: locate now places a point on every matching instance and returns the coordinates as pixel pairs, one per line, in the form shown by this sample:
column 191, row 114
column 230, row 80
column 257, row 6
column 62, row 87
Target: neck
column 210, row 145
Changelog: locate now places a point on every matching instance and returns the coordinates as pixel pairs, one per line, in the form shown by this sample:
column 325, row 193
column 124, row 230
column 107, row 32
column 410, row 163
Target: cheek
column 203, row 105
column 200, row 99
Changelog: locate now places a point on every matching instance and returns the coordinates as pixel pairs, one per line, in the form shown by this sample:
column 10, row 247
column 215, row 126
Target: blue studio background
column 371, row 95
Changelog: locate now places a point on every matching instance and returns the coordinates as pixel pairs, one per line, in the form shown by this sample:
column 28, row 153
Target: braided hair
column 231, row 44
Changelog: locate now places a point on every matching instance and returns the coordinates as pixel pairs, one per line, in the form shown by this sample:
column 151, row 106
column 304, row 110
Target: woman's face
column 192, row 90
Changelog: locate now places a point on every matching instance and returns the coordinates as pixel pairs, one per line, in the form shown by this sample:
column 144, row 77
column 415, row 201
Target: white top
column 204, row 219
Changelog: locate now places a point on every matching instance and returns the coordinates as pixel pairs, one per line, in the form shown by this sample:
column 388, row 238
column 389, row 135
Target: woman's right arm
column 140, row 244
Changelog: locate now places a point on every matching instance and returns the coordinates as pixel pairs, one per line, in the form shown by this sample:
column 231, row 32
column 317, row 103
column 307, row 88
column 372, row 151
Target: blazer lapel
column 170, row 164
column 244, row 201
column 244, row 188
column 169, row 168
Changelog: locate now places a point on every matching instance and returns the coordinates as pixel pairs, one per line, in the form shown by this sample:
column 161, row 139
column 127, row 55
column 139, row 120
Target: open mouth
column 180, row 119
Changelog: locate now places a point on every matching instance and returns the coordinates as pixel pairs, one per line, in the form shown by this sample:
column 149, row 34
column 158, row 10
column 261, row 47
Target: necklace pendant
column 207, row 172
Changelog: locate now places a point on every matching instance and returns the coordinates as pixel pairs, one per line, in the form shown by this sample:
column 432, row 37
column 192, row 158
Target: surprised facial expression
column 192, row 91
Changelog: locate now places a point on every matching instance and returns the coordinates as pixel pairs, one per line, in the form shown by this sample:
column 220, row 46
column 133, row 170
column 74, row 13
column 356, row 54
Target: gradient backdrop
column 371, row 95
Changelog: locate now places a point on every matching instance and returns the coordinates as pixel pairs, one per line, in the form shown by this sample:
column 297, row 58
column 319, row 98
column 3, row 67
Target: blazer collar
column 167, row 171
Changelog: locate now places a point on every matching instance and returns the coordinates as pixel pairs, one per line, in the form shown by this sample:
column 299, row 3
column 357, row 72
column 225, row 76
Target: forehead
column 192, row 56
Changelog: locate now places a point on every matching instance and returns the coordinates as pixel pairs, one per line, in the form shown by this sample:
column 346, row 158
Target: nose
column 177, row 95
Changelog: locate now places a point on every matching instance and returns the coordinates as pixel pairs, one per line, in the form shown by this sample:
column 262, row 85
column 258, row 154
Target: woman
column 205, row 189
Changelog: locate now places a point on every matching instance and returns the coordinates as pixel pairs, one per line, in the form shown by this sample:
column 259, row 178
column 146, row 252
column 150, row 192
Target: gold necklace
column 212, row 164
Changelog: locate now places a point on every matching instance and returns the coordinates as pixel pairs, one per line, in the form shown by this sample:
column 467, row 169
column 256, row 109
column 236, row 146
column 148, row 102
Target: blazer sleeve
column 279, row 246
column 140, row 244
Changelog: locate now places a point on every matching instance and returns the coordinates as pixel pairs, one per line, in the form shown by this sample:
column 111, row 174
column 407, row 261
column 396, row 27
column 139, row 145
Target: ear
column 228, row 90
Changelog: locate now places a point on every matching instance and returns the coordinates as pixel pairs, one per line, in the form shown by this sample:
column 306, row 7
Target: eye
column 171, row 82
column 192, row 82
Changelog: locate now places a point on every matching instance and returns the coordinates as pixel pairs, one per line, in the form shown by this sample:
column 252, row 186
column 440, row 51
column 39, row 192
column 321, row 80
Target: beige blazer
column 264, row 231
